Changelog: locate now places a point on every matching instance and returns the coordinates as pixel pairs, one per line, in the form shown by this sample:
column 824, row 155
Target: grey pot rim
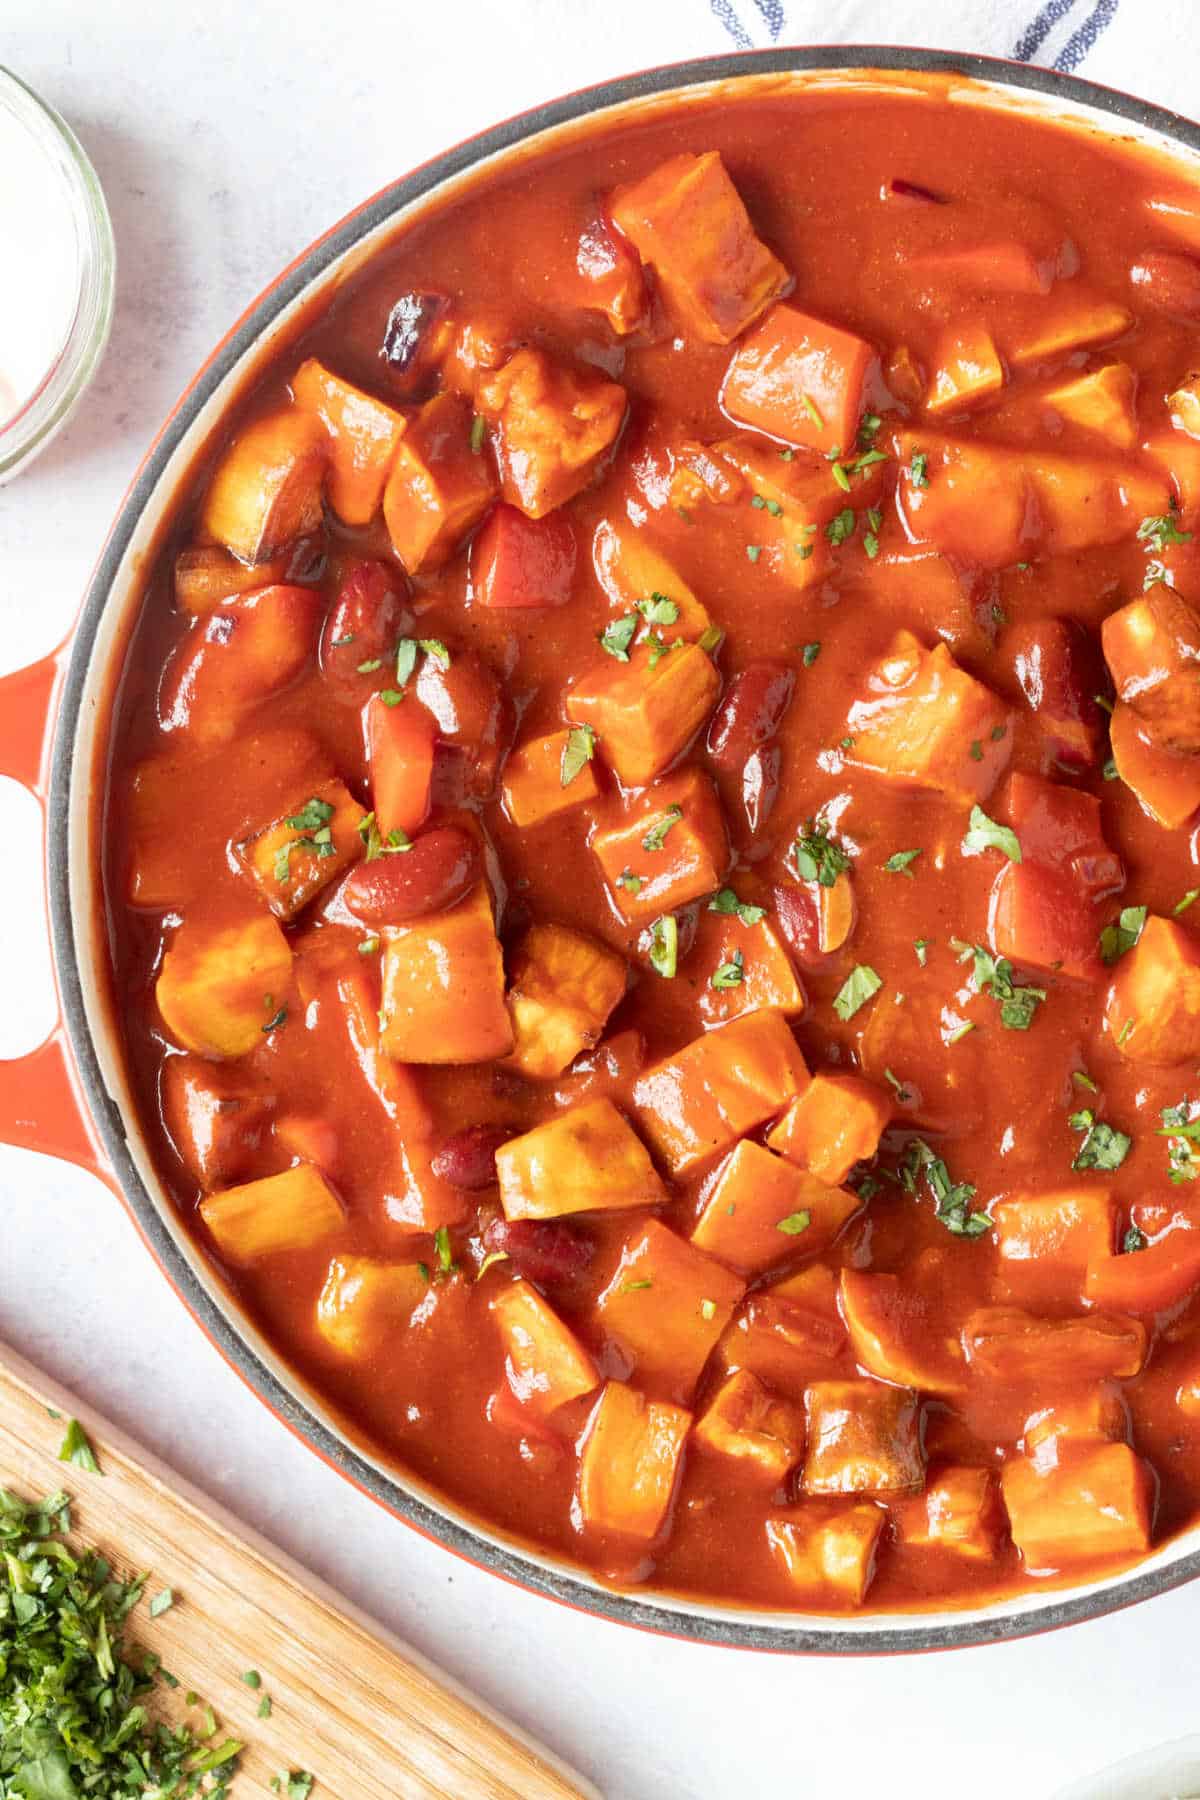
column 879, row 1634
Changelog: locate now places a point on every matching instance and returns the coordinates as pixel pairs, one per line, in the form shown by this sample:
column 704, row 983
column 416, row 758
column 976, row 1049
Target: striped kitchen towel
column 1151, row 52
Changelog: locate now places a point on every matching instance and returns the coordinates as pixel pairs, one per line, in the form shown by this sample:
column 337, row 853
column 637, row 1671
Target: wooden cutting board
column 362, row 1712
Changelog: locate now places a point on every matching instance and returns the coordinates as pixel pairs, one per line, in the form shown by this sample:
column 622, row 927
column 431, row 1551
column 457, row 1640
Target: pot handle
column 40, row 1107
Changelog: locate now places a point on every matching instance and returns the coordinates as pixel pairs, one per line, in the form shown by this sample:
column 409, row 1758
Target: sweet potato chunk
column 832, row 1553
column 1166, row 785
column 611, row 278
column 967, row 368
column 630, row 1457
column 1101, row 402
column 1153, row 1004
column 215, row 1119
column 206, row 576
column 836, row 1122
column 518, row 562
column 563, row 987
column 587, row 1159
column 1095, row 1504
column 669, row 848
column 235, row 658
column 665, row 1308
column 220, row 985
column 363, row 434
column 686, row 219
column 1045, row 910
column 266, row 489
column 443, row 987
column 631, row 571
column 439, row 487
column 724, row 948
column 761, row 1209
column 790, row 1333
column 799, row 379
column 365, row 1302
column 1097, row 1416
column 987, row 505
column 1050, row 330
column 533, row 787
column 863, row 1438
column 291, row 1211
column 959, row 1511
column 645, row 713
column 546, row 1364
column 1006, row 1345
column 696, row 1103
column 899, row 1333
column 1045, row 1243
column 800, row 499
column 926, row 722
column 316, row 840
column 745, row 1421
column 553, row 425
column 1147, row 1280
column 1152, row 647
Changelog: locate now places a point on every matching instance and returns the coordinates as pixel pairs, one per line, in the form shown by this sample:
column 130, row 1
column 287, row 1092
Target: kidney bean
column 760, row 785
column 750, row 713
column 409, row 328
column 363, row 625
column 1170, row 282
column 800, row 921
column 543, row 1250
column 897, row 189
column 473, row 712
column 468, row 1159
column 1061, row 671
column 441, row 867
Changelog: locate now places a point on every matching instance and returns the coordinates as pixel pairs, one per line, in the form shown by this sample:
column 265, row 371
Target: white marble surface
column 224, row 146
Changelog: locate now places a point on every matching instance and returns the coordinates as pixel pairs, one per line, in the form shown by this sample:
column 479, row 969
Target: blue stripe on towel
column 733, row 25
column 772, row 12
column 1082, row 41
column 1036, row 33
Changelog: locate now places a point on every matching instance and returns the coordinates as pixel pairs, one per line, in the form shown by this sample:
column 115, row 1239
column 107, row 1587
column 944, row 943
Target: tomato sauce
column 903, row 1391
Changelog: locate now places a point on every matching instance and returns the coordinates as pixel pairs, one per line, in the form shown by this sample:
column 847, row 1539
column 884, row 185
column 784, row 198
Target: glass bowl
column 55, row 357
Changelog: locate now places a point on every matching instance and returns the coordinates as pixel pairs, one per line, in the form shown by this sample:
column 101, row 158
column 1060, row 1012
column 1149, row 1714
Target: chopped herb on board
column 76, row 1448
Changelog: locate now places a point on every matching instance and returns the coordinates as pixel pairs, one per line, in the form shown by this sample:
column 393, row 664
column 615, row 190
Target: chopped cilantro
column 161, row 1603
column 617, row 636
column 727, row 902
column 633, row 884
column 985, row 834
column 369, row 946
column 477, row 430
column 810, row 653
column 278, row 1020
column 795, row 1223
column 656, row 837
column 841, row 526
column 921, row 946
column 578, row 750
column 1183, row 1133
column 919, row 469
column 1123, row 934
column 994, row 976
column 1103, row 1146
column 658, row 610
column 1082, row 1079
column 810, row 407
column 1189, row 898
column 445, row 1255
column 636, row 1287
column 395, row 843
column 1134, row 1240
column 899, row 861
column 952, row 1199
column 1159, row 531
column 860, row 985
column 754, row 551
column 840, row 475
column 818, row 857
